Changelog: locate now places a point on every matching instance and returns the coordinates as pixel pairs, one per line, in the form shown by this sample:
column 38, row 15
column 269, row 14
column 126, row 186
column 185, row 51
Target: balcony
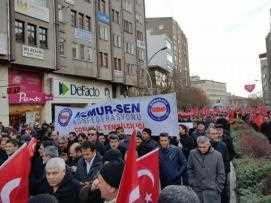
column 118, row 76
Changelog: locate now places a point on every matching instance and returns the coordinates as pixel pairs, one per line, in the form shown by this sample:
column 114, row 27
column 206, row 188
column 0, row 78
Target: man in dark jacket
column 92, row 137
column 60, row 183
column 225, row 136
column 200, row 131
column 206, row 173
column 221, row 147
column 172, row 163
column 148, row 143
column 89, row 165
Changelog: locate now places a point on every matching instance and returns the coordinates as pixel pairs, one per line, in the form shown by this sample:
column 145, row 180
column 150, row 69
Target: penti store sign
column 74, row 90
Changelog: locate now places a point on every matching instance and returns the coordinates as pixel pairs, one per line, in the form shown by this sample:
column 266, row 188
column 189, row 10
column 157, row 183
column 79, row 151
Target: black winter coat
column 222, row 148
column 68, row 191
column 188, row 144
column 81, row 172
column 146, row 147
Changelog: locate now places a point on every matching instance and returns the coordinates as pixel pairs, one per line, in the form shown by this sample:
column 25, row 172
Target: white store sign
column 33, row 52
column 35, row 8
column 91, row 91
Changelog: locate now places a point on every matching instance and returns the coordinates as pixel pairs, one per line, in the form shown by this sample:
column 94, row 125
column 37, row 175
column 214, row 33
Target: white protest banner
column 159, row 113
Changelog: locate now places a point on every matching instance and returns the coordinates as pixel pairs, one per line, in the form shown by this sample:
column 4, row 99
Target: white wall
column 4, row 105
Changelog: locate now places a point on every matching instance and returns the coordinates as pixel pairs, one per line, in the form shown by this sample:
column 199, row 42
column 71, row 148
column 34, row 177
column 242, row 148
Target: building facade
column 215, row 91
column 266, row 78
column 71, row 53
column 165, row 32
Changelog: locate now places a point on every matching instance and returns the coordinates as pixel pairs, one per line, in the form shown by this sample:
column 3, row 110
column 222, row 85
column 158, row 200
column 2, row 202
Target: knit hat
column 112, row 155
column 112, row 172
column 51, row 151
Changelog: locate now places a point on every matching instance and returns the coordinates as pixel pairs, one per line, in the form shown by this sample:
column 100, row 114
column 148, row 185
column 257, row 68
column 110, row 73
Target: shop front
column 75, row 92
column 26, row 97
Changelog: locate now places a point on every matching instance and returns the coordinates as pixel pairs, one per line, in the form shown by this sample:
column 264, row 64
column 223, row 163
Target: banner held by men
column 159, row 113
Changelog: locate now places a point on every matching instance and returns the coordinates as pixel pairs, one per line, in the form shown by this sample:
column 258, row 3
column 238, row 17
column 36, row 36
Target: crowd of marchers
column 87, row 167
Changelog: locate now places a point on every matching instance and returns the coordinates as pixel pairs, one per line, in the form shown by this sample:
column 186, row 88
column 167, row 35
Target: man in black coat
column 89, row 165
column 148, row 143
column 224, row 135
column 92, row 137
column 60, row 183
column 221, row 147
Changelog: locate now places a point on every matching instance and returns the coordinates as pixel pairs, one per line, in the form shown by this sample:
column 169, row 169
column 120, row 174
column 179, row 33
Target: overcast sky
column 225, row 37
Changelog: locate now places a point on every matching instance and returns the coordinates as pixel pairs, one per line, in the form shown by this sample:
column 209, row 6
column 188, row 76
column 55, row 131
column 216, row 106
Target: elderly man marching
column 206, row 171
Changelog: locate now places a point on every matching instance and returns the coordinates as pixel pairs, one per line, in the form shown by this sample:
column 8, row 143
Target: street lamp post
column 148, row 63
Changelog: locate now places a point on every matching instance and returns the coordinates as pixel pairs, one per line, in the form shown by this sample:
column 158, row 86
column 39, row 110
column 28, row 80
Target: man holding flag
column 140, row 179
column 14, row 183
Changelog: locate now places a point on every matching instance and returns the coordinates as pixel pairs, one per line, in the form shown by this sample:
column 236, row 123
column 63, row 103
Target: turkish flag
column 148, row 176
column 129, row 187
column 14, row 182
column 140, row 180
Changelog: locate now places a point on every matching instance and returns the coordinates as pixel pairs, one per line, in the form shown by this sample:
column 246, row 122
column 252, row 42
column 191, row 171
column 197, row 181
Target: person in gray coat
column 206, row 174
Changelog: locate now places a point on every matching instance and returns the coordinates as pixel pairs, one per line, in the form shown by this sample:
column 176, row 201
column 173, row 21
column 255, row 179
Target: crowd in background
column 87, row 167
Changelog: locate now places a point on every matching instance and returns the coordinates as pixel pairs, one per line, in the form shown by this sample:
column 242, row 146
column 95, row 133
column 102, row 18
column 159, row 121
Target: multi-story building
column 165, row 32
column 72, row 53
column 266, row 85
column 215, row 91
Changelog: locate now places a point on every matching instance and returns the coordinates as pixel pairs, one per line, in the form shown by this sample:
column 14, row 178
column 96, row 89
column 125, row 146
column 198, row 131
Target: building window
column 61, row 47
column 32, row 34
column 169, row 58
column 103, row 59
column 128, row 6
column 82, row 52
column 130, row 48
column 101, row 6
column 43, row 37
column 116, row 16
column 141, row 54
column 19, row 31
column 139, row 18
column 73, row 18
column 81, row 21
column 139, row 36
column 75, row 51
column 117, row 64
column 89, row 54
column 87, row 23
column 103, row 32
column 130, row 69
column 128, row 26
column 117, row 40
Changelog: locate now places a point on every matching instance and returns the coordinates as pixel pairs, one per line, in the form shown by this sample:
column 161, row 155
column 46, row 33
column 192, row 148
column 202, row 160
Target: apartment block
column 52, row 50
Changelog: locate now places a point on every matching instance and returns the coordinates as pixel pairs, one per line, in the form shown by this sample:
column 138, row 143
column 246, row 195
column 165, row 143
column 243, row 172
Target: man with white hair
column 178, row 193
column 206, row 174
column 60, row 183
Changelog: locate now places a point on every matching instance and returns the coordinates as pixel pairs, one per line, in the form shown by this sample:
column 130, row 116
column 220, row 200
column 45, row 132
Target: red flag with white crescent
column 14, row 173
column 148, row 176
column 129, row 188
column 140, row 180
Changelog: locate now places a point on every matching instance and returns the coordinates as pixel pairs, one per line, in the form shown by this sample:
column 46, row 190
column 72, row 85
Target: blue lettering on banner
column 103, row 18
column 109, row 110
column 159, row 109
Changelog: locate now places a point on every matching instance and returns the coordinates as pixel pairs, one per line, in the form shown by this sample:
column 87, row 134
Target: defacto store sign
column 35, row 8
column 92, row 90
column 159, row 113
